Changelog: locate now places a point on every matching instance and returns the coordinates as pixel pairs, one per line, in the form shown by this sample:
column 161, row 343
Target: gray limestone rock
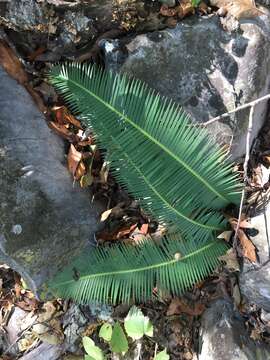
column 45, row 219
column 224, row 337
column 61, row 27
column 205, row 68
column 255, row 278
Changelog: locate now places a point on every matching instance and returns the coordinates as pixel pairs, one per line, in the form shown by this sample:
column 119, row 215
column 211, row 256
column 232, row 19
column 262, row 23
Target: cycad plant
column 176, row 171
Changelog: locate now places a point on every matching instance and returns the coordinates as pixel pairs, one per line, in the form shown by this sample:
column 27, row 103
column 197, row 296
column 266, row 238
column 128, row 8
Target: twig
column 249, row 130
column 241, row 107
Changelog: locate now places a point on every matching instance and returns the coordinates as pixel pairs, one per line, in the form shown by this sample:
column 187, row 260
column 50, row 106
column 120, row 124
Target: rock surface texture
column 45, row 220
column 223, row 335
column 208, row 65
column 255, row 279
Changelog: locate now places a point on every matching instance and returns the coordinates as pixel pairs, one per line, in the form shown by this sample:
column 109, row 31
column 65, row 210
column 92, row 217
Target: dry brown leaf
column 62, row 130
column 231, row 260
column 177, row 307
column 80, row 171
column 73, row 159
column 165, row 10
column 63, row 116
column 144, row 229
column 185, row 9
column 244, row 224
column 238, row 8
column 12, row 64
column 260, row 176
column 226, row 235
column 248, row 249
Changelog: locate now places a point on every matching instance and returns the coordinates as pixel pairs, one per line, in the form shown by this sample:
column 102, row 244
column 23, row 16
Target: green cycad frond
column 179, row 175
column 173, row 168
column 123, row 273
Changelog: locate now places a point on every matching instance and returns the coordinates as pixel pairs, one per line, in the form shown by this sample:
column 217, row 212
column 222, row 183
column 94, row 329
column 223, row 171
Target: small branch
column 249, row 131
column 241, row 107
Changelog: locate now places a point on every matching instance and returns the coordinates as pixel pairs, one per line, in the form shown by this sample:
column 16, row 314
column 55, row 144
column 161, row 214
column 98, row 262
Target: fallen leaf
column 104, row 172
column 117, row 211
column 185, row 9
column 177, row 307
column 144, row 229
column 231, row 260
column 260, row 176
column 238, row 8
column 243, row 224
column 80, row 171
column 62, row 130
column 165, row 10
column 248, row 249
column 11, row 63
column 225, row 235
column 73, row 159
column 105, row 215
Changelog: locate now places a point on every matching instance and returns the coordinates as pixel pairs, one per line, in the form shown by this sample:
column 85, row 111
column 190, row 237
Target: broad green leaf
column 162, row 355
column 119, row 343
column 105, row 332
column 94, row 351
column 137, row 325
column 88, row 357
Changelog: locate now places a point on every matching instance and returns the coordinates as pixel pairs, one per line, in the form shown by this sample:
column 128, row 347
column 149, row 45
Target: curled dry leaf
column 62, row 130
column 74, row 158
column 226, row 235
column 248, row 248
column 238, row 8
column 177, row 307
column 63, row 116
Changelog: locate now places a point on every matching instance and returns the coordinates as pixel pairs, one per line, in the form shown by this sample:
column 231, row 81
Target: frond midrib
column 144, row 268
column 151, row 138
column 156, row 192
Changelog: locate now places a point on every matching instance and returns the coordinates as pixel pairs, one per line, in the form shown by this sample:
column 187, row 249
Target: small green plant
column 177, row 172
column 136, row 325
column 195, row 3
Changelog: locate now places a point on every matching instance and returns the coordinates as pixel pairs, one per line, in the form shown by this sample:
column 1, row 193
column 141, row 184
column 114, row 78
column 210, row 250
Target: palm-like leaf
column 173, row 168
column 125, row 272
column 179, row 175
